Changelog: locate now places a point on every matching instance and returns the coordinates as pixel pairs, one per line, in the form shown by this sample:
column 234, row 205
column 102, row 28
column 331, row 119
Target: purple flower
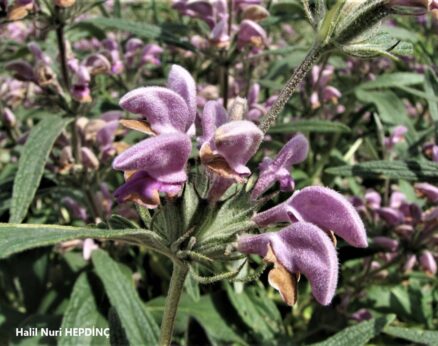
column 323, row 207
column 89, row 160
column 154, row 165
column 428, row 190
column 397, row 136
column 22, row 71
column 299, row 248
column 8, row 117
column 428, row 263
column 373, row 199
column 77, row 211
column 251, row 34
column 167, row 110
column 386, row 243
column 88, row 247
column 231, row 147
column 151, row 54
column 278, row 169
column 97, row 64
column 112, row 52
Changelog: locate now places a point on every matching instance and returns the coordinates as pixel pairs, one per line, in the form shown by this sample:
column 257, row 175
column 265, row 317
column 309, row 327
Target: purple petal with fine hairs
column 330, row 211
column 105, row 136
column 323, row 207
column 250, row 32
column 428, row 263
column 182, row 82
column 293, row 152
column 301, row 248
column 213, row 116
column 237, row 142
column 165, row 110
column 163, row 157
column 428, row 190
column 141, row 186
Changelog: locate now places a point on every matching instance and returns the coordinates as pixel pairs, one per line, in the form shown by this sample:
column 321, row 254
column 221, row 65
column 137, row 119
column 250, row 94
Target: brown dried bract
column 138, row 125
column 217, row 164
column 281, row 279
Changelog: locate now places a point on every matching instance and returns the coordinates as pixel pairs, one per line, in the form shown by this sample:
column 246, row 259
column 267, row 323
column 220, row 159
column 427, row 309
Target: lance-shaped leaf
column 31, row 164
column 300, row 248
column 16, row 238
column 139, row 325
column 83, row 311
column 323, row 207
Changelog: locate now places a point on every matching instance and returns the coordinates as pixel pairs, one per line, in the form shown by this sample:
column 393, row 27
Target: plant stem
column 290, row 87
column 61, row 47
column 179, row 275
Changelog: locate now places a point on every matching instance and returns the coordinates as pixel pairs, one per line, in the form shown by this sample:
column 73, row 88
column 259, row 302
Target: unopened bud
column 9, row 118
column 255, row 13
column 428, row 263
column 238, row 109
column 65, row 3
column 89, row 160
column 20, row 9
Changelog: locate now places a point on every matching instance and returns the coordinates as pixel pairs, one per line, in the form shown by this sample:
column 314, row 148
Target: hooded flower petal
column 163, row 157
column 251, row 33
column 143, row 189
column 323, row 207
column 235, row 142
column 300, row 248
column 182, row 82
column 386, row 243
column 428, row 263
column 293, row 152
column 165, row 110
column 213, row 116
column 428, row 190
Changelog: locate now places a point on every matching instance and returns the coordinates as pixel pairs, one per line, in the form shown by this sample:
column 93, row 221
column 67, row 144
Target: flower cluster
column 410, row 230
column 158, row 164
column 216, row 13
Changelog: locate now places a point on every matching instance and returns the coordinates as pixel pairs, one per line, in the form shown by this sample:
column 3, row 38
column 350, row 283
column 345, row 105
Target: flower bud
column 255, row 13
column 238, row 109
column 428, row 263
column 89, row 160
column 20, row 9
column 9, row 118
column 65, row 3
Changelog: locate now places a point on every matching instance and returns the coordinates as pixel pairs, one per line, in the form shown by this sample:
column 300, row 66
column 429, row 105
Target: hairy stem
column 179, row 275
column 62, row 47
column 290, row 88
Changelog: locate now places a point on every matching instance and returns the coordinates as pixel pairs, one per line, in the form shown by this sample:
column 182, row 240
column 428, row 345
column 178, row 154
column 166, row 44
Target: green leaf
column 408, row 170
column 318, row 126
column 31, row 164
column 359, row 334
column 140, row 30
column 393, row 80
column 189, row 205
column 381, row 44
column 15, row 238
column 117, row 333
column 390, row 107
column 417, row 336
column 206, row 313
column 139, row 325
column 257, row 311
column 431, row 88
column 82, row 311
